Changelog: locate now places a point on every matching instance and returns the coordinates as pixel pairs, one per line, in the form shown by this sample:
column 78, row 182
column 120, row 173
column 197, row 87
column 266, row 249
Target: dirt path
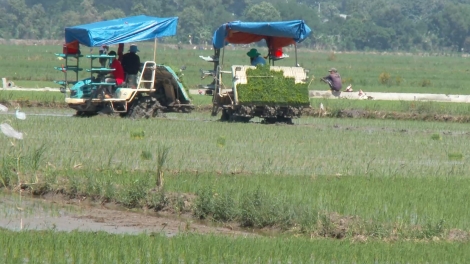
column 57, row 213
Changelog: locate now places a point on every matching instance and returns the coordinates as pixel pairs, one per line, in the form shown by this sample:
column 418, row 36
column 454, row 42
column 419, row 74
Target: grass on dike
column 33, row 66
column 384, row 179
column 99, row 247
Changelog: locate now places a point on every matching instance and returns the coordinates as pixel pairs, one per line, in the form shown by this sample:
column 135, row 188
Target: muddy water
column 56, row 213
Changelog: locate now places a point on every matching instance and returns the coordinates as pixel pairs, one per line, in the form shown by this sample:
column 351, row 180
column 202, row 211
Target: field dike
column 311, row 112
column 103, row 204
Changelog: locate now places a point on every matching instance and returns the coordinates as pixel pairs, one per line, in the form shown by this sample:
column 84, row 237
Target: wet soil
column 342, row 113
column 58, row 212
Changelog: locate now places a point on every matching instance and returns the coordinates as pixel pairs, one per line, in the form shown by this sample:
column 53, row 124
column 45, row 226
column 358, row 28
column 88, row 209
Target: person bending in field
column 333, row 80
column 117, row 76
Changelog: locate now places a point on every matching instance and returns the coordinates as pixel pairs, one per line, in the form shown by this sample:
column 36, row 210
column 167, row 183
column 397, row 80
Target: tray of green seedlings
column 265, row 86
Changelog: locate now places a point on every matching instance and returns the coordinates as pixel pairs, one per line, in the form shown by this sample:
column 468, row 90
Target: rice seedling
column 99, row 247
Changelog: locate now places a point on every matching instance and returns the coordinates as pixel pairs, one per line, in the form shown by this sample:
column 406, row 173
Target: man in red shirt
column 118, row 73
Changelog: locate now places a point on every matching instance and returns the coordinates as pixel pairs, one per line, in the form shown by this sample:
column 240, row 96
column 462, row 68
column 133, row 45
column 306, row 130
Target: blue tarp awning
column 278, row 34
column 122, row 30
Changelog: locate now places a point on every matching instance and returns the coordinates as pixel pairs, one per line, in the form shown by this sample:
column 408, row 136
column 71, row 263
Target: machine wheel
column 145, row 107
column 158, row 112
column 226, row 115
column 186, row 110
column 85, row 114
column 278, row 120
column 284, row 120
column 215, row 110
column 241, row 119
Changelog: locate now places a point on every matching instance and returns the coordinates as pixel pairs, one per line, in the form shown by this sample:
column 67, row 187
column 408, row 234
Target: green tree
column 69, row 18
column 138, row 9
column 191, row 22
column 263, row 11
column 146, row 7
column 7, row 22
column 452, row 25
column 112, row 14
column 36, row 21
column 89, row 12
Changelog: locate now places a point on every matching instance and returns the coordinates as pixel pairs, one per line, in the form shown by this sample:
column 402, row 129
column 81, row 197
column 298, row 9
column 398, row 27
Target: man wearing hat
column 131, row 65
column 255, row 57
column 333, row 80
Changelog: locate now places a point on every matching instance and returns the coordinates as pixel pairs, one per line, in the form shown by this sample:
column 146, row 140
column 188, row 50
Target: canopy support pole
column 155, row 51
column 295, row 46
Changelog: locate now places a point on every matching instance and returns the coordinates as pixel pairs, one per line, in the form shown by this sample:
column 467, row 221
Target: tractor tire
column 278, row 120
column 145, row 107
column 225, row 115
column 85, row 114
column 186, row 110
column 239, row 119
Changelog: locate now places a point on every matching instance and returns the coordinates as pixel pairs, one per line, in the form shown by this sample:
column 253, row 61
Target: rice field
column 53, row 247
column 33, row 66
column 325, row 190
column 323, row 146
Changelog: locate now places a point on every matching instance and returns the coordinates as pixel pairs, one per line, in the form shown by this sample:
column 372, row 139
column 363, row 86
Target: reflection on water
column 26, row 213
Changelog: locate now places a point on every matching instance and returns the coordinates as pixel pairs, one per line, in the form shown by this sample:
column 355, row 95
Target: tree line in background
column 365, row 25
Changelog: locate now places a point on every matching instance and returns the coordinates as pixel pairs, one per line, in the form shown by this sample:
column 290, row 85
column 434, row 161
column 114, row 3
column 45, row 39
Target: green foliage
column 331, row 56
column 431, row 230
column 134, row 193
column 146, row 155
column 398, row 80
column 263, row 11
column 425, row 83
column 137, row 134
column 436, row 137
column 7, row 174
column 384, row 78
column 259, row 210
column 369, row 25
column 204, row 203
column 267, row 86
column 221, row 142
column 50, row 246
column 225, row 208
column 157, row 200
column 455, row 156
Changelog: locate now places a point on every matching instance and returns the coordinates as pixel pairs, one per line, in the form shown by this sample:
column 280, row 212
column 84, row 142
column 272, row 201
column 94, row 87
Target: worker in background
column 131, row 65
column 255, row 57
column 333, row 80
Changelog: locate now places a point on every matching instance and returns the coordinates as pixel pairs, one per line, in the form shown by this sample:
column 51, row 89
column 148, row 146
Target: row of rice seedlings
column 346, row 147
column 76, row 247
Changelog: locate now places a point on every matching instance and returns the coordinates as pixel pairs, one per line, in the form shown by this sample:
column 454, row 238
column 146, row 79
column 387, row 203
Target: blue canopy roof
column 280, row 34
column 122, row 30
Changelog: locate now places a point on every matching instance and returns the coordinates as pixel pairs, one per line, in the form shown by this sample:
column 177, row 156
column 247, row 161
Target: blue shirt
column 258, row 60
